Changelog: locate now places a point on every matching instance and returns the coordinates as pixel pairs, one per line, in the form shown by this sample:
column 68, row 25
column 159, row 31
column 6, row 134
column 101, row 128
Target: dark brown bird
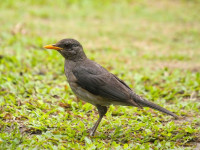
column 94, row 84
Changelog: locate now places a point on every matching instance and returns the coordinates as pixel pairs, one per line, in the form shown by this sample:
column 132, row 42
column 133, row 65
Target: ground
column 152, row 45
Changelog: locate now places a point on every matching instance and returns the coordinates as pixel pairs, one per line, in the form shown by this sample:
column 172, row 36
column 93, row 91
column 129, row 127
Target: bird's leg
column 102, row 111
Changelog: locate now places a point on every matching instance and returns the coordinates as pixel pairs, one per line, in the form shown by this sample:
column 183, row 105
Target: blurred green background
column 152, row 45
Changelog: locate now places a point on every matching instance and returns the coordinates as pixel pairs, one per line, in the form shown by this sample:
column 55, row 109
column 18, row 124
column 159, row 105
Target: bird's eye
column 67, row 46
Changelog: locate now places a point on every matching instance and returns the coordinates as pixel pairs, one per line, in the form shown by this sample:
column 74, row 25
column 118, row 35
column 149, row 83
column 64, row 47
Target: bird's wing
column 99, row 81
column 122, row 82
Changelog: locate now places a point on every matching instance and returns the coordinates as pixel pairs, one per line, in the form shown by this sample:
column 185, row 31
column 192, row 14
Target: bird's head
column 69, row 48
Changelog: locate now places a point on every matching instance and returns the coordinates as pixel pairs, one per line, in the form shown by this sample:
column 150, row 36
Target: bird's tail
column 144, row 103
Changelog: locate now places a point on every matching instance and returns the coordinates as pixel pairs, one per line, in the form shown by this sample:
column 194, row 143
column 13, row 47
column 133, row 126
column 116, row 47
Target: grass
column 152, row 45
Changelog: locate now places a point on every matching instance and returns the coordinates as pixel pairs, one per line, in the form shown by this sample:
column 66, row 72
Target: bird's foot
column 91, row 131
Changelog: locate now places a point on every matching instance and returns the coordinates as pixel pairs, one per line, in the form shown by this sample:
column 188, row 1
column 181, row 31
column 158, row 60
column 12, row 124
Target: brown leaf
column 8, row 116
column 56, row 96
column 64, row 105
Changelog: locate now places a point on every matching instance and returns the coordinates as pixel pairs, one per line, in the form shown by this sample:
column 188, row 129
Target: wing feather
column 102, row 83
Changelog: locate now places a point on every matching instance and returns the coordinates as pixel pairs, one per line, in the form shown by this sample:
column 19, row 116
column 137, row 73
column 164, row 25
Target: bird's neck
column 80, row 57
column 70, row 64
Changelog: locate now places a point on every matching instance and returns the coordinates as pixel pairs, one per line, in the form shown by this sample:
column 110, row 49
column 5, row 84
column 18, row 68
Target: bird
column 94, row 84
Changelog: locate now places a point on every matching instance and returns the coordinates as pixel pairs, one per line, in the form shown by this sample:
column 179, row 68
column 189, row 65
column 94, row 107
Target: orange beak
column 52, row 47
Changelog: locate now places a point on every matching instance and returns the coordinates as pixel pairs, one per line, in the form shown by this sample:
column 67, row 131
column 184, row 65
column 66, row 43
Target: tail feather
column 144, row 103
